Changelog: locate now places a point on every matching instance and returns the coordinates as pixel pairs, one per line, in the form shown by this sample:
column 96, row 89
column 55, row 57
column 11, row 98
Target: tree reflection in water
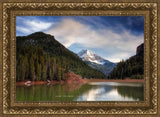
column 137, row 93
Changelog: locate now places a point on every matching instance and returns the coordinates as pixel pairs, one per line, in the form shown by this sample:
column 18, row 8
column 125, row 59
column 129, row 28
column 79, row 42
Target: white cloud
column 30, row 26
column 122, row 45
column 38, row 25
column 109, row 44
column 22, row 29
column 116, row 57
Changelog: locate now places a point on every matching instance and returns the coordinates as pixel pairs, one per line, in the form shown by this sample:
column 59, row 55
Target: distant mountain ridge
column 96, row 61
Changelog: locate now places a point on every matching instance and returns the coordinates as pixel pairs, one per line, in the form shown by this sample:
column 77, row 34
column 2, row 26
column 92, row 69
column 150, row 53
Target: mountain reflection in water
column 94, row 91
column 112, row 91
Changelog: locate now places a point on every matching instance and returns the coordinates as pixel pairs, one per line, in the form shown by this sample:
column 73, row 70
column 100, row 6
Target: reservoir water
column 93, row 91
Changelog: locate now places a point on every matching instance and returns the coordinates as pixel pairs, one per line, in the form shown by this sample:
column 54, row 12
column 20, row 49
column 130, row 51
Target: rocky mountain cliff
column 140, row 50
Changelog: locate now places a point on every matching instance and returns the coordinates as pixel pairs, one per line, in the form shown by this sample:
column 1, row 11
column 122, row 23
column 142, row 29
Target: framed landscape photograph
column 89, row 58
column 94, row 58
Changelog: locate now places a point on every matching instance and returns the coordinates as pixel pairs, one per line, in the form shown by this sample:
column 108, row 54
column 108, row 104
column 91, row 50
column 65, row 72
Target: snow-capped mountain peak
column 96, row 61
column 88, row 55
column 86, row 52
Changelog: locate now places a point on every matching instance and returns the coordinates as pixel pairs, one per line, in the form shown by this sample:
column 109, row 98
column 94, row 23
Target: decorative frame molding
column 8, row 45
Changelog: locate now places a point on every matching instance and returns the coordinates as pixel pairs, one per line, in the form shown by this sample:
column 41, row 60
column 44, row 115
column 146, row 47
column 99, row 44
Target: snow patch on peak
column 88, row 55
column 86, row 52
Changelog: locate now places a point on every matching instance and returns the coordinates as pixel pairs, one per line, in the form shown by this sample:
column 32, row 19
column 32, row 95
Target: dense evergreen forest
column 40, row 57
column 132, row 68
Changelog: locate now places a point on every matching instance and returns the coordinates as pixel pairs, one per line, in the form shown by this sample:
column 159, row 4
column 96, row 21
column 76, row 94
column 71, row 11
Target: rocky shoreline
column 72, row 79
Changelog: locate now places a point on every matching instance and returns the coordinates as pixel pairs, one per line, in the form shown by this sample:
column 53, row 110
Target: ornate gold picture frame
column 10, row 9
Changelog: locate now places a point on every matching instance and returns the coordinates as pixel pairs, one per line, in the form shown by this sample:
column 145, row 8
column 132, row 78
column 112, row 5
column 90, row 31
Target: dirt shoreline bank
column 118, row 80
column 84, row 81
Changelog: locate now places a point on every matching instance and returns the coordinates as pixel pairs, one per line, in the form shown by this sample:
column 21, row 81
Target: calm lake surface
column 93, row 91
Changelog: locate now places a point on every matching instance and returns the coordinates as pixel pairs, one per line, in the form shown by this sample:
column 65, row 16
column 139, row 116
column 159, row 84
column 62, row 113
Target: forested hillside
column 40, row 57
column 132, row 68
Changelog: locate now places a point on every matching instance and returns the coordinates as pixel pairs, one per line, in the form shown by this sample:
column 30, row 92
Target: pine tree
column 59, row 74
column 52, row 76
column 66, row 72
column 55, row 72
column 44, row 73
column 36, row 67
column 122, row 74
column 32, row 69
column 62, row 75
column 23, row 69
column 39, row 72
column 18, row 72
column 50, row 73
column 26, row 67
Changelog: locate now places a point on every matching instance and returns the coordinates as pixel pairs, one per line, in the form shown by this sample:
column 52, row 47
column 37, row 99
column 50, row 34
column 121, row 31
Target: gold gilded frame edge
column 97, row 103
column 152, row 109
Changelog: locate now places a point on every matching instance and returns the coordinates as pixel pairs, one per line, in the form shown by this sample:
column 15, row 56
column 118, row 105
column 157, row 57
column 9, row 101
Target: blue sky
column 112, row 37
